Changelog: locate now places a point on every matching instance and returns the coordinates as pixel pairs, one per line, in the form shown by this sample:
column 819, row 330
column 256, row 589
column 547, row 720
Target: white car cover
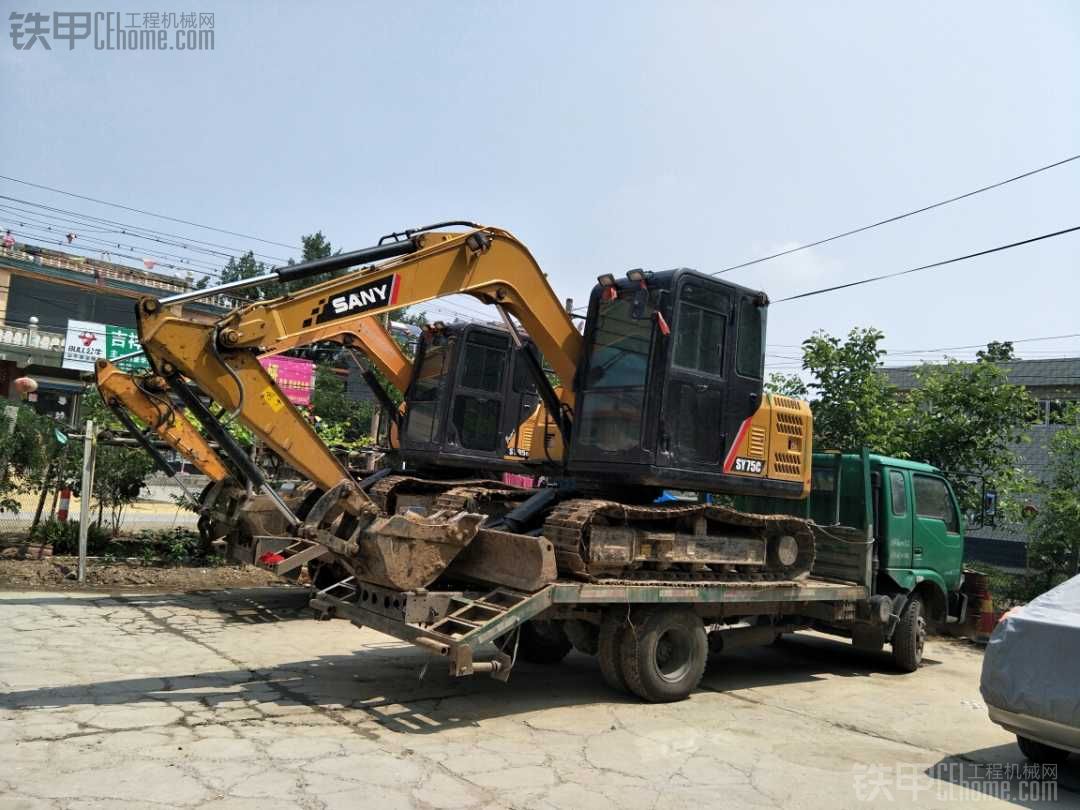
column 1032, row 663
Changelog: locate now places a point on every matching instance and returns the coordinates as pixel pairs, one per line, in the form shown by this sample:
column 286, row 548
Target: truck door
column 897, row 514
column 937, row 542
column 695, row 424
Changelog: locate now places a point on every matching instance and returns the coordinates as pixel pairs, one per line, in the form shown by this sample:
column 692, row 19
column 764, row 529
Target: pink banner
column 295, row 377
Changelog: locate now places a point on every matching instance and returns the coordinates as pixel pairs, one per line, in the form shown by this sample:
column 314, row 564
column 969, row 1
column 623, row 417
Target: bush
column 64, row 537
column 171, row 545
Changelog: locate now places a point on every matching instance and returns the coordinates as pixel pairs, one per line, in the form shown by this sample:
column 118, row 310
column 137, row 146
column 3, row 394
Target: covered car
column 1031, row 674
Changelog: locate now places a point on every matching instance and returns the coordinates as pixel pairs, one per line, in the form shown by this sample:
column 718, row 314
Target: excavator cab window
column 476, row 417
column 422, row 423
column 616, row 377
column 750, row 357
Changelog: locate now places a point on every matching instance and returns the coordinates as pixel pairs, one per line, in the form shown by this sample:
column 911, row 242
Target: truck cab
column 912, row 515
column 894, row 526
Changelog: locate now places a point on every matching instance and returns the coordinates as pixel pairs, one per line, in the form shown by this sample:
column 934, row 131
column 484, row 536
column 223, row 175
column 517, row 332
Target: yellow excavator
column 663, row 390
column 229, row 511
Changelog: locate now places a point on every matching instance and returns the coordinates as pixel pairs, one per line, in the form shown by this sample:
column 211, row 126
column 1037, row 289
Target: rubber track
column 385, row 491
column 567, row 527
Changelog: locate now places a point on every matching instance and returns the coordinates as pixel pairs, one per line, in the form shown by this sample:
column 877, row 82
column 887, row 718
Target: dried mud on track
column 58, row 572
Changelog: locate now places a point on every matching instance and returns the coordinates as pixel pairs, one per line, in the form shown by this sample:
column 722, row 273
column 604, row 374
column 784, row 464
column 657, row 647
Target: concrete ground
column 237, row 699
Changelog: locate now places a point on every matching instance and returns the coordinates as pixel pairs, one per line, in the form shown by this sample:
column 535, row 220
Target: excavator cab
column 670, row 391
column 468, row 394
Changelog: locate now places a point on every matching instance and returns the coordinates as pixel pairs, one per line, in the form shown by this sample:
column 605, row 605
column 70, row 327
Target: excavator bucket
column 405, row 552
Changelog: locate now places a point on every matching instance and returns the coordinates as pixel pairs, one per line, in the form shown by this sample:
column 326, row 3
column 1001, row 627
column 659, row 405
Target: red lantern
column 25, row 386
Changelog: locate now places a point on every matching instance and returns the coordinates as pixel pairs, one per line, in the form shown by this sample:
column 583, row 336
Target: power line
column 84, row 227
column 895, row 352
column 144, row 229
column 147, row 213
column 897, row 217
column 105, row 245
column 872, row 279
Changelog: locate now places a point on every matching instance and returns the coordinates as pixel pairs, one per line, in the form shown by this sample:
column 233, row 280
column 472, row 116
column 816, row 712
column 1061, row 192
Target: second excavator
column 662, row 390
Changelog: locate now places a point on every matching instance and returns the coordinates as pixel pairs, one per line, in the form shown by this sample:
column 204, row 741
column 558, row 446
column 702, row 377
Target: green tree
column 248, row 267
column 1055, row 541
column 788, row 385
column 27, row 443
column 337, row 420
column 997, row 351
column 119, row 472
column 966, row 418
column 852, row 401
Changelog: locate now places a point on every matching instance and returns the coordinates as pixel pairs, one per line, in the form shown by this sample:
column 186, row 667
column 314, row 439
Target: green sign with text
column 120, row 340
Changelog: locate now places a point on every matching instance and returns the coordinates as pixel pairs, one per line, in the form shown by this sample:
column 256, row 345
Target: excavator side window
column 750, row 351
column 700, row 330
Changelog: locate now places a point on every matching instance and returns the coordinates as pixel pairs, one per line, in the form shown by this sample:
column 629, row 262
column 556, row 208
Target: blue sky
column 606, row 136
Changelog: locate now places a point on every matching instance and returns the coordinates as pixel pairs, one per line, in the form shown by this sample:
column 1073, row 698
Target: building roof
column 1060, row 372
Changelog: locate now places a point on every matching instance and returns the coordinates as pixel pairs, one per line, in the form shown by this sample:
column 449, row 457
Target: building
column 41, row 289
column 1053, row 383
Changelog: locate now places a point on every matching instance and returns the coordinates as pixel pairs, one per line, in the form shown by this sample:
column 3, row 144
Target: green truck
column 889, row 546
column 901, row 522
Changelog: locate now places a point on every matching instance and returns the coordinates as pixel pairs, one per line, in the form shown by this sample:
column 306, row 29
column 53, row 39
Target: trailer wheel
column 909, row 637
column 664, row 654
column 609, row 651
column 543, row 642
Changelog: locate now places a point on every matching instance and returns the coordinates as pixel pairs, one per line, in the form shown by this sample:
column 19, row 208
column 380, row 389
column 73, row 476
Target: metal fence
column 156, row 508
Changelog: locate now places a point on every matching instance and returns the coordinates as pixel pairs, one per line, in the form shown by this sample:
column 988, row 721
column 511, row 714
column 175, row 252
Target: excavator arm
column 146, row 397
column 222, row 358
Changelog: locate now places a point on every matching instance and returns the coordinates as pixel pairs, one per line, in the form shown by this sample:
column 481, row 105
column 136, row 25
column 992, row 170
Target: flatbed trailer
column 487, row 629
column 652, row 636
column 456, row 624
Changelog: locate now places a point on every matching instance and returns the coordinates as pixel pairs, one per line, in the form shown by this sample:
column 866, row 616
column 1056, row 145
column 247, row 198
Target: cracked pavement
column 237, row 699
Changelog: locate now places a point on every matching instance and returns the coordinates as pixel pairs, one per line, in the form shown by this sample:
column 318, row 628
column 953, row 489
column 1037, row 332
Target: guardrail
column 24, row 337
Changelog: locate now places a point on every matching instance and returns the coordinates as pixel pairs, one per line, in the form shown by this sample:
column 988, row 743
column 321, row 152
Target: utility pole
column 89, row 457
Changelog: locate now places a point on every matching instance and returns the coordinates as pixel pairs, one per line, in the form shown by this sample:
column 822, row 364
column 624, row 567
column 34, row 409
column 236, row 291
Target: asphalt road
column 237, row 699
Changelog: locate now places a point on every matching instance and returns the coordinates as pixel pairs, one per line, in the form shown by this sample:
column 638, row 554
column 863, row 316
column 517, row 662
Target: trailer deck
column 454, row 624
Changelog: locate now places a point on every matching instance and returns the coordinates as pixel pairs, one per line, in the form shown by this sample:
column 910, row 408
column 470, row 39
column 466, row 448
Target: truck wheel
column 909, row 637
column 543, row 642
column 1041, row 752
column 664, row 654
column 609, row 651
column 583, row 635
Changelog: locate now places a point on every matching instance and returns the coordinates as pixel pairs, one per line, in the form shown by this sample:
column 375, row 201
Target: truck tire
column 583, row 635
column 609, row 651
column 1041, row 752
column 664, row 654
column 543, row 642
column 909, row 637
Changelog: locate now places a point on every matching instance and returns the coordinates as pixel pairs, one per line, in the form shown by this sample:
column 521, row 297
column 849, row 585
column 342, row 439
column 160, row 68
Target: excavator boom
column 221, row 358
